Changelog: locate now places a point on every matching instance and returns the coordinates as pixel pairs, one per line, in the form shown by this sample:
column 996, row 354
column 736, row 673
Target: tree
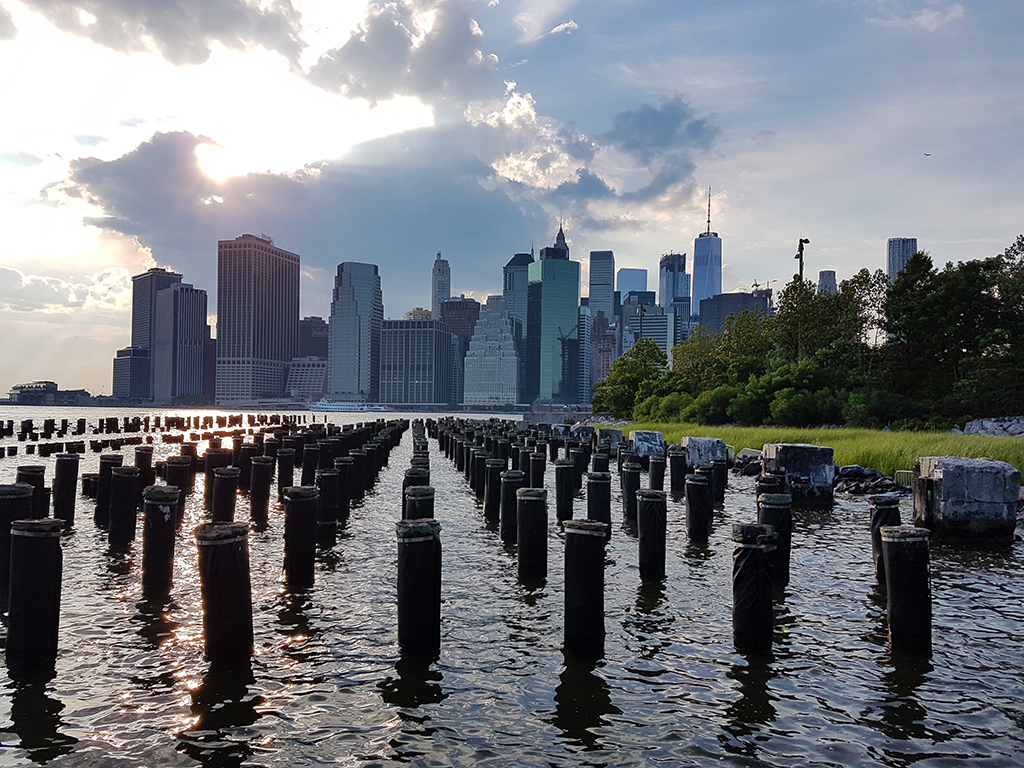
column 617, row 394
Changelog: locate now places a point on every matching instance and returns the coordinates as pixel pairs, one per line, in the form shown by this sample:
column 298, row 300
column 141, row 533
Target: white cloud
column 566, row 26
column 925, row 20
column 537, row 17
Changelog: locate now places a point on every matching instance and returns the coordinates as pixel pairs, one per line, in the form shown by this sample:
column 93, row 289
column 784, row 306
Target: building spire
column 708, row 232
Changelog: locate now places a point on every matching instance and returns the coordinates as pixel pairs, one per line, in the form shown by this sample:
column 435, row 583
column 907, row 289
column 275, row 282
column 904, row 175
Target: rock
column 701, row 450
column 646, row 444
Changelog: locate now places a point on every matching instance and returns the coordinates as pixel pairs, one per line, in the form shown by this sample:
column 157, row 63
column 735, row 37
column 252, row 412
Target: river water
column 328, row 685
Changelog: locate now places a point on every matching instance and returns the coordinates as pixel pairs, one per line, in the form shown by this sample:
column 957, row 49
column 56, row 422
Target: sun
column 215, row 161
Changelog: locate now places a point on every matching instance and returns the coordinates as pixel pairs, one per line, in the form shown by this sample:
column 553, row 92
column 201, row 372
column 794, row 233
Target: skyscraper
column 415, row 362
column 515, row 278
column 899, row 250
column 602, row 283
column 313, row 337
column 440, row 284
column 460, row 316
column 179, row 340
column 707, row 264
column 552, row 346
column 257, row 318
column 586, row 367
column 133, row 373
column 673, row 282
column 631, row 280
column 357, row 312
column 827, row 281
column 492, row 362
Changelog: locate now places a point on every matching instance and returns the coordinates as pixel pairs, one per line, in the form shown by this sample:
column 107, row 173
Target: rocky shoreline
column 1003, row 426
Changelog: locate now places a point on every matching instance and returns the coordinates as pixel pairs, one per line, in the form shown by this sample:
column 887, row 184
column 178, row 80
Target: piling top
column 417, row 472
column 298, row 492
column 286, row 452
column 264, row 460
column 162, row 494
column 227, row 471
column 67, row 457
column 185, row 461
column 648, row 495
column 697, row 479
column 143, row 448
column 775, row 500
column 630, row 466
column 410, row 531
column 752, row 534
column 111, row 458
column 884, row 500
column 532, row 493
column 495, row 463
column 904, row 533
column 565, row 463
column 16, row 491
column 125, row 471
column 420, row 491
column 586, row 527
column 41, row 527
column 221, row 533
column 326, row 473
column 513, row 474
column 32, row 469
column 347, row 461
column 599, row 477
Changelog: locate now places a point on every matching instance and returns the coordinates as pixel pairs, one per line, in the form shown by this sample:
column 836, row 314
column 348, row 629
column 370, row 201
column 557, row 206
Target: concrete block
column 646, row 444
column 701, row 450
column 961, row 498
column 810, row 472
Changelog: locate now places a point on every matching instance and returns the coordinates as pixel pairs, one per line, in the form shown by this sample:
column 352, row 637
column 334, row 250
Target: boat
column 338, row 406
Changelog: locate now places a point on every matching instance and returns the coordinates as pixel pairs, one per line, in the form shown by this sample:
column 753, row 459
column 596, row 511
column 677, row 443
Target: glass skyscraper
column 899, row 251
column 357, row 313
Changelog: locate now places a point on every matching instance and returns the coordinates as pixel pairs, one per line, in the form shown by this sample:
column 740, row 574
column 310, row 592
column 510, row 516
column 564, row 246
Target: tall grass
column 885, row 451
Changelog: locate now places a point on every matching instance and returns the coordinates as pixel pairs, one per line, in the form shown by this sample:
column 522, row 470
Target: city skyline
column 399, row 130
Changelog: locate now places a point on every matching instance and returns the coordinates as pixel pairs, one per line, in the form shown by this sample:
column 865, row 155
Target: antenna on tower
column 709, row 211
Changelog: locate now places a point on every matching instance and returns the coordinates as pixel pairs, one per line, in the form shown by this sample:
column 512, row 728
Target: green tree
column 617, row 394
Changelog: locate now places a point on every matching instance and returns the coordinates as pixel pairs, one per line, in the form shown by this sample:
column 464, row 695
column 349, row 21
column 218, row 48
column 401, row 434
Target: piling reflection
column 650, row 624
column 294, row 622
column 416, row 683
column 582, row 702
column 35, row 718
column 900, row 714
column 220, row 705
column 154, row 619
column 753, row 708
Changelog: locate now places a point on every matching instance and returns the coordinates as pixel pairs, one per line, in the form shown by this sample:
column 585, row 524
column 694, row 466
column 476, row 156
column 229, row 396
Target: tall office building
column 552, row 346
column 440, row 284
column 134, row 370
column 716, row 310
column 357, row 312
column 707, row 264
column 602, row 283
column 460, row 316
column 827, row 282
column 515, row 278
column 585, row 335
column 180, row 332
column 415, row 362
column 673, row 281
column 313, row 337
column 899, row 250
column 257, row 318
column 492, row 362
column 631, row 280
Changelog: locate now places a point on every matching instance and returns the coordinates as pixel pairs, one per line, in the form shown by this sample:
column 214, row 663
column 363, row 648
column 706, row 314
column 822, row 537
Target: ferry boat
column 337, row 406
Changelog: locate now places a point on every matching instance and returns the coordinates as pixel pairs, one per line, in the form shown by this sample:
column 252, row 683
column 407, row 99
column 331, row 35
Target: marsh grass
column 885, row 451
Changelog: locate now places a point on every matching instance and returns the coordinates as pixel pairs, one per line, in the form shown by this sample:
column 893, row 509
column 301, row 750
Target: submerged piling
column 124, row 485
column 65, row 485
column 33, row 618
column 583, row 628
column 419, row 587
column 752, row 619
column 159, row 523
column 300, row 511
column 699, row 507
column 775, row 509
column 225, row 489
column 419, row 503
column 652, row 516
column 909, row 602
column 599, row 499
column 511, row 481
column 226, row 591
column 15, row 504
column 885, row 511
column 532, row 534
column 565, row 489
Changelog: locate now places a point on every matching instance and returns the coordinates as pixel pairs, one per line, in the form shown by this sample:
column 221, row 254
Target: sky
column 139, row 134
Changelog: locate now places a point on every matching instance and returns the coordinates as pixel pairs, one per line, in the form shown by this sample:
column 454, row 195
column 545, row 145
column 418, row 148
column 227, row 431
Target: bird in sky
column 927, row 154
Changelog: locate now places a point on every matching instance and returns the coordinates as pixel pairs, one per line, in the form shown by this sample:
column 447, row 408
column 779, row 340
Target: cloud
column 88, row 140
column 925, row 20
column 107, row 290
column 763, row 138
column 537, row 17
column 7, row 29
column 649, row 131
column 20, row 158
column 567, row 26
column 181, row 30
column 401, row 49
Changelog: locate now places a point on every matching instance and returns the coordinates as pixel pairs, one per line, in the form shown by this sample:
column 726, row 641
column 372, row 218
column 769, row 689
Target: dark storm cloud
column 588, row 186
column 182, row 30
column 368, row 208
column 648, row 131
column 384, row 59
column 7, row 29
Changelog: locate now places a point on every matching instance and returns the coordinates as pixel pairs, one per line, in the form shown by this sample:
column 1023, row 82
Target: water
column 328, row 687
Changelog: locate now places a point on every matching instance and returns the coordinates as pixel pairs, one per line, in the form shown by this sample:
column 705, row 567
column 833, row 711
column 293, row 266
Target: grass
column 885, row 451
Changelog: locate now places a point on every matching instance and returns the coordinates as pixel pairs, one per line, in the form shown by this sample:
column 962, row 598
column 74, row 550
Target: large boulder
column 701, row 450
column 809, row 469
column 647, row 444
column 962, row 498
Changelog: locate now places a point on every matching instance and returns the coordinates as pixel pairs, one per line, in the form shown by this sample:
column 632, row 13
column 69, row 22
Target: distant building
column 133, row 374
column 257, row 318
column 492, row 362
column 357, row 313
column 673, row 281
column 584, row 335
column 460, row 316
column 307, row 377
column 716, row 310
column 631, row 280
column 180, row 332
column 47, row 393
column 602, row 284
column 707, row 265
column 553, row 299
column 899, row 250
column 440, row 284
column 515, row 279
column 314, row 334
column 827, row 282
column 415, row 362
column 419, row 313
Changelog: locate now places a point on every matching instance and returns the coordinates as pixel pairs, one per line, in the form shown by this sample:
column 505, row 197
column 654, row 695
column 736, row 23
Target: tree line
column 936, row 347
